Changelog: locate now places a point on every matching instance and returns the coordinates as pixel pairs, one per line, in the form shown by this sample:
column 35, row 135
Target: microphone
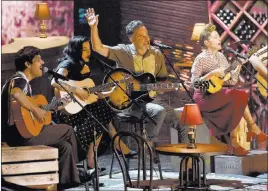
column 160, row 45
column 228, row 49
column 54, row 74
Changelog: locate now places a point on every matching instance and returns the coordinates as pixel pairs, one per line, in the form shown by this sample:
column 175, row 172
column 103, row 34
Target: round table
column 195, row 155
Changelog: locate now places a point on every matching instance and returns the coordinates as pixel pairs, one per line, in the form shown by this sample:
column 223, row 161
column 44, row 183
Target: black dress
column 82, row 122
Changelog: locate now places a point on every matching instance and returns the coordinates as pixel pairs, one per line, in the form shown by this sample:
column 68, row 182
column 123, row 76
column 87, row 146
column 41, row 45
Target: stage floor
column 217, row 181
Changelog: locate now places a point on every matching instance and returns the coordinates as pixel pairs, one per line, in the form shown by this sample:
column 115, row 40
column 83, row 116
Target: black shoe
column 128, row 155
column 131, row 154
column 84, row 176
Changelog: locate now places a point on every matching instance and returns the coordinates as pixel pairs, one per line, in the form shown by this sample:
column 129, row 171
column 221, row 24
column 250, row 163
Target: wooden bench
column 31, row 166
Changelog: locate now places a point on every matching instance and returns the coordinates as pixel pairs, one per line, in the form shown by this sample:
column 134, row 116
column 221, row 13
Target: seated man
column 139, row 57
column 29, row 63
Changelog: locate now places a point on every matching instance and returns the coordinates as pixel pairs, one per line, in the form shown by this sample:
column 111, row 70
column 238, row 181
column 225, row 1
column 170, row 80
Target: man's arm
column 81, row 93
column 22, row 99
column 97, row 45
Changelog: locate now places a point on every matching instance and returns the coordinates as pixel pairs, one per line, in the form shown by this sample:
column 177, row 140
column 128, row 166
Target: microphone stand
column 94, row 134
column 180, row 81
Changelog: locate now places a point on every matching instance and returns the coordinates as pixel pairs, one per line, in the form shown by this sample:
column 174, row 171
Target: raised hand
column 92, row 19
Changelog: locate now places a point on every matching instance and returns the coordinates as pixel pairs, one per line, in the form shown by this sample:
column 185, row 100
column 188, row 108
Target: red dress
column 222, row 111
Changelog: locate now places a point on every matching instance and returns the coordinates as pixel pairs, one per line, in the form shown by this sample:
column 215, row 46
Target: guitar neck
column 159, row 86
column 53, row 105
column 104, row 86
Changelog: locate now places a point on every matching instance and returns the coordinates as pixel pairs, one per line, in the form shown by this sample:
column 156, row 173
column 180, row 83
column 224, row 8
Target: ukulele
column 215, row 83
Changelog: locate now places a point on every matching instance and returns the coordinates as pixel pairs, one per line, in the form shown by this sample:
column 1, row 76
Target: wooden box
column 254, row 162
column 30, row 165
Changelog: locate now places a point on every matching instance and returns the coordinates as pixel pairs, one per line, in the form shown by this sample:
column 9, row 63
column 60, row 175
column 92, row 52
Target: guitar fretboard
column 53, row 105
column 105, row 86
column 159, row 86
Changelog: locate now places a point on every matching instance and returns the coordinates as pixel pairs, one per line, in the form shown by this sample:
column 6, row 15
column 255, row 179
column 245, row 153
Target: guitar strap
column 10, row 84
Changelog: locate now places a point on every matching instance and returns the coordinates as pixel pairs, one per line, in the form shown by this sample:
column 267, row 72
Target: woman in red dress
column 223, row 110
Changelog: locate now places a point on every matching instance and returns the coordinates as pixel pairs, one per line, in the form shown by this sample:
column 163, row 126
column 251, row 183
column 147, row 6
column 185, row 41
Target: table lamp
column 42, row 13
column 198, row 28
column 191, row 116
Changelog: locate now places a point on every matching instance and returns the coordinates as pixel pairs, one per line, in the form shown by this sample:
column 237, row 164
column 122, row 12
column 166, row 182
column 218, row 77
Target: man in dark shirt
column 29, row 63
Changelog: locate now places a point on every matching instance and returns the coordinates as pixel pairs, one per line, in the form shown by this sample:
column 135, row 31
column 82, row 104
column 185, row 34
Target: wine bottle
column 264, row 17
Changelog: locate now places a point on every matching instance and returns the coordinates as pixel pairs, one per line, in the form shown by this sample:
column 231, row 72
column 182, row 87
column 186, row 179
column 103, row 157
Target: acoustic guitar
column 89, row 85
column 215, row 83
column 139, row 87
column 26, row 123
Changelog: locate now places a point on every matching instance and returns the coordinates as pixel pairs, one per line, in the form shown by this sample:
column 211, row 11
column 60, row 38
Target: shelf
column 243, row 10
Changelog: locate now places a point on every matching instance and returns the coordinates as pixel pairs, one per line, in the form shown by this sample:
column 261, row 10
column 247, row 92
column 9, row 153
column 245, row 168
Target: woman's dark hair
column 74, row 48
column 132, row 26
column 26, row 54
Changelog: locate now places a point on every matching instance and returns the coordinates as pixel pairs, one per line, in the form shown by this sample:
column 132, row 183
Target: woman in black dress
column 75, row 66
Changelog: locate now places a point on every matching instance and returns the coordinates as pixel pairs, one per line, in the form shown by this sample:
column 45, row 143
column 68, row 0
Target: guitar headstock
column 201, row 85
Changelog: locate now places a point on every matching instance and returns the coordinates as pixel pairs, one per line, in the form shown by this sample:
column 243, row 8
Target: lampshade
column 191, row 115
column 198, row 28
column 42, row 11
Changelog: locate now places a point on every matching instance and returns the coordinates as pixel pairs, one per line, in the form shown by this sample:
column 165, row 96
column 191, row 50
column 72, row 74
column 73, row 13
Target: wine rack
column 240, row 20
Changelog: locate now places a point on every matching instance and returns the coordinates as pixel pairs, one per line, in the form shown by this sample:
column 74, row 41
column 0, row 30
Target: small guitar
column 87, row 84
column 27, row 125
column 139, row 87
column 215, row 83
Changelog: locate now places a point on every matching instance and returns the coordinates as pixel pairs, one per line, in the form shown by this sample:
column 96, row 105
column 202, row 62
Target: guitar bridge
column 210, row 81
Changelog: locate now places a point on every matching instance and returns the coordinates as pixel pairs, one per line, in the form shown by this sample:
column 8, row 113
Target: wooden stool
column 31, row 166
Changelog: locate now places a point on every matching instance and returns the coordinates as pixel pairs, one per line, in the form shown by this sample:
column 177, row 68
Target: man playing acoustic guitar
column 29, row 63
column 139, row 57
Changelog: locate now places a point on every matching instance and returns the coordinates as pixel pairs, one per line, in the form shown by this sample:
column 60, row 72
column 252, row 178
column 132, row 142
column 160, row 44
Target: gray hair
column 132, row 26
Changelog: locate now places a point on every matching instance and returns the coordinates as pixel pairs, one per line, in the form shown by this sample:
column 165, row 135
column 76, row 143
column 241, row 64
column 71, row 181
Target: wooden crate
column 32, row 166
column 254, row 162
